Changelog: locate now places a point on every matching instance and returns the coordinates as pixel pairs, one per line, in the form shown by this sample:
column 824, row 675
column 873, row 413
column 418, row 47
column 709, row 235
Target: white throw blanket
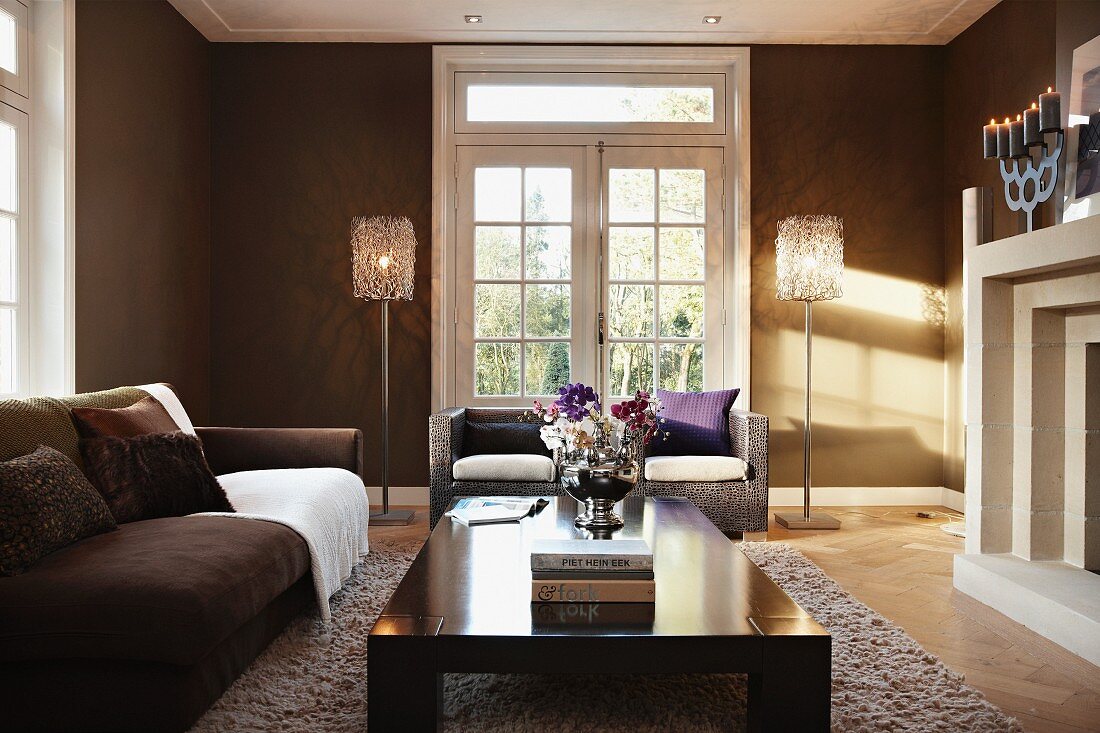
column 328, row 507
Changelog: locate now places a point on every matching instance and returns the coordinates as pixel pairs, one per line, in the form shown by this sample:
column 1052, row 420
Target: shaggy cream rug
column 312, row 679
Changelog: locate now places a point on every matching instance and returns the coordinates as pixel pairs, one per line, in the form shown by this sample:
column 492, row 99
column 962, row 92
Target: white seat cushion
column 695, row 468
column 512, row 467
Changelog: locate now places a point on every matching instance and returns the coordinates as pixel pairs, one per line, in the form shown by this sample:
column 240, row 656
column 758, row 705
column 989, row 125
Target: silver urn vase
column 599, row 478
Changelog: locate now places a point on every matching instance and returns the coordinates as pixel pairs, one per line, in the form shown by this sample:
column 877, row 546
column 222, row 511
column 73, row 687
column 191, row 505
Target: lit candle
column 1016, row 147
column 1050, row 111
column 989, row 139
column 1032, row 133
column 1002, row 139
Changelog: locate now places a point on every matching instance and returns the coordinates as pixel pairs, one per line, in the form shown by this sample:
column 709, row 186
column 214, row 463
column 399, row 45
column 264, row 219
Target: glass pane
column 547, row 310
column 7, row 350
column 549, row 194
column 630, row 253
column 496, row 310
column 631, row 368
column 631, row 311
column 9, row 168
column 547, row 367
column 630, row 195
column 496, row 194
column 682, row 311
column 682, row 253
column 497, row 369
column 496, row 253
column 682, row 195
column 7, row 41
column 548, row 252
column 561, row 103
column 682, row 367
column 7, row 260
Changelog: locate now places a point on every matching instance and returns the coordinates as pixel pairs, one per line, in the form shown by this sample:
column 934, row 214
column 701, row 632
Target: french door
column 581, row 263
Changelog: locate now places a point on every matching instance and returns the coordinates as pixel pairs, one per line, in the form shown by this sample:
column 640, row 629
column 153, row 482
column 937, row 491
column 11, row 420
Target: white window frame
column 18, row 82
column 43, row 92
column 730, row 62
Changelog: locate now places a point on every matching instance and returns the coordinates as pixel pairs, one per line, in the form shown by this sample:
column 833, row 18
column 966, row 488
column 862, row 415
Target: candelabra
column 1023, row 197
column 1029, row 179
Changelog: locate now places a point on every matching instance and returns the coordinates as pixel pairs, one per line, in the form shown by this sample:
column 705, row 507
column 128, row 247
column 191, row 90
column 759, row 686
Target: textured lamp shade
column 383, row 257
column 809, row 258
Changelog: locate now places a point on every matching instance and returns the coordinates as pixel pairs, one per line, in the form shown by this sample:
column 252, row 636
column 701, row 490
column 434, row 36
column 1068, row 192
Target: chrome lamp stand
column 807, row 519
column 397, row 516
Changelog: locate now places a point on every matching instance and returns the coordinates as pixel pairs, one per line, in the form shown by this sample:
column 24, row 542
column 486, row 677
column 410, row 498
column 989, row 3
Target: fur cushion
column 141, row 418
column 45, row 504
column 150, row 476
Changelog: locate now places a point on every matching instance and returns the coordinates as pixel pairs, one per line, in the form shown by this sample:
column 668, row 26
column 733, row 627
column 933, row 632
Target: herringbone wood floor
column 900, row 565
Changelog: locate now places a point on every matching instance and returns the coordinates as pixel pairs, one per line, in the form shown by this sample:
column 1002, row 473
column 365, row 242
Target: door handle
column 599, row 328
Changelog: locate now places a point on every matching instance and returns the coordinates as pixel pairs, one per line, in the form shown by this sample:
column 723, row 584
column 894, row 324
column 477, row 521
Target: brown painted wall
column 853, row 131
column 142, row 200
column 307, row 136
column 984, row 77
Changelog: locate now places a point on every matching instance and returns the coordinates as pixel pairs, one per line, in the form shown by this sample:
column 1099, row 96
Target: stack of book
column 591, row 571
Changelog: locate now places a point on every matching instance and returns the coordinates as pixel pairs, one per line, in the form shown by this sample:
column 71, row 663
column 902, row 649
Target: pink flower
column 538, row 406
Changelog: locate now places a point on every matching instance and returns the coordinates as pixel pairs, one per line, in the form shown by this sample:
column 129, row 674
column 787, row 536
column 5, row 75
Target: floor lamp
column 809, row 266
column 383, row 257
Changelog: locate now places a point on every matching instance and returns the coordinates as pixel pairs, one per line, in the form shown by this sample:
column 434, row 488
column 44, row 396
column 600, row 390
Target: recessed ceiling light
column 473, row 18
column 712, row 19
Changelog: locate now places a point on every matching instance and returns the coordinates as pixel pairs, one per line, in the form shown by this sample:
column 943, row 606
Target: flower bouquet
column 596, row 450
column 576, row 424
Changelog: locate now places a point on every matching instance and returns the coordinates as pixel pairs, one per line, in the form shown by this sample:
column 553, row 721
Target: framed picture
column 1083, row 136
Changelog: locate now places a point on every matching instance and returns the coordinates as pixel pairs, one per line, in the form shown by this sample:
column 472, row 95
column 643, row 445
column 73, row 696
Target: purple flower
column 576, row 400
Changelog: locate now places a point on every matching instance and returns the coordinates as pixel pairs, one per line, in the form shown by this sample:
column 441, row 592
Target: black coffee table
column 464, row 606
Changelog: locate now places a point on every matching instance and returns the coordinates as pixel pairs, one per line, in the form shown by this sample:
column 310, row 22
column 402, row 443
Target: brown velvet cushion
column 45, row 504
column 141, row 418
column 162, row 590
column 151, row 476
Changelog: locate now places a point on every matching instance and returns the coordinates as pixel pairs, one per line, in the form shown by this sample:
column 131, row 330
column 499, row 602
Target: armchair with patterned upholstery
column 456, row 471
column 732, row 493
column 734, row 497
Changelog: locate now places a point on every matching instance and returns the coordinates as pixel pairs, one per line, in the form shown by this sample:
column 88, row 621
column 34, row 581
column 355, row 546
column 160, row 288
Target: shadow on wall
column 877, row 384
column 859, row 451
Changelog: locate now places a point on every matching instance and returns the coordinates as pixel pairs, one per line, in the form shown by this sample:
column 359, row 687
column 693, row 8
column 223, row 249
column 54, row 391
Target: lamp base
column 797, row 520
column 395, row 517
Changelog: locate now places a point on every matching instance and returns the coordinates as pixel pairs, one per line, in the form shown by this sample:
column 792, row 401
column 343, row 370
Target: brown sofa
column 143, row 628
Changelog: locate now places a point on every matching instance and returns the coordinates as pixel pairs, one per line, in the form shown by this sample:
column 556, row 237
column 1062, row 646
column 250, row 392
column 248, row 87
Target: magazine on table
column 473, row 511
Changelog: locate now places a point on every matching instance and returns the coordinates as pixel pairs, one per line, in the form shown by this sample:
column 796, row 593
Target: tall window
column 14, row 195
column 11, row 280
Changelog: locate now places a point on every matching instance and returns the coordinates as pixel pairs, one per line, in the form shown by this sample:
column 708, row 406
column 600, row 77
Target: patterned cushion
column 518, row 467
column 152, row 476
column 27, row 424
column 697, row 423
column 695, row 468
column 45, row 504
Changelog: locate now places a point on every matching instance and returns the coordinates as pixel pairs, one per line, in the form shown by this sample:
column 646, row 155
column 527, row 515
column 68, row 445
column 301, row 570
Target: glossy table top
column 475, row 581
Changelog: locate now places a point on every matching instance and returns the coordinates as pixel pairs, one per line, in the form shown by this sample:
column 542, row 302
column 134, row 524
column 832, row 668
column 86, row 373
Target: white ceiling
column 585, row 21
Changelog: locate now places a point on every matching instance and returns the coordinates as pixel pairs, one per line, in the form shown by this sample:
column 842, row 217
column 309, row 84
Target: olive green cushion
column 27, row 424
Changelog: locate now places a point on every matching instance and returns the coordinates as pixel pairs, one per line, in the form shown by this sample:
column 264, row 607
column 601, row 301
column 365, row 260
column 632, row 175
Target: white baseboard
column 868, row 496
column 777, row 496
column 400, row 495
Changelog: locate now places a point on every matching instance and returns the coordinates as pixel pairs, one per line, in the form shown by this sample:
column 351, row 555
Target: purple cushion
column 697, row 423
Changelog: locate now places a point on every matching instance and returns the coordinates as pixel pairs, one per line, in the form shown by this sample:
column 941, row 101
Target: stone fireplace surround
column 1033, row 426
